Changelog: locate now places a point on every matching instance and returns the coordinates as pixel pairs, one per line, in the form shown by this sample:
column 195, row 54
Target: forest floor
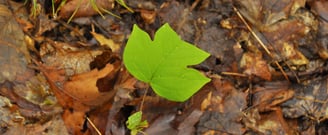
column 62, row 70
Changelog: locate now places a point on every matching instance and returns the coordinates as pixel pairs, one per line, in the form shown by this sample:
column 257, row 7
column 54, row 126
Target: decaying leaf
column 252, row 63
column 270, row 95
column 187, row 126
column 53, row 126
column 285, row 36
column 310, row 101
column 285, row 26
column 263, row 13
column 319, row 7
column 255, row 65
column 272, row 122
column 12, row 47
column 226, row 105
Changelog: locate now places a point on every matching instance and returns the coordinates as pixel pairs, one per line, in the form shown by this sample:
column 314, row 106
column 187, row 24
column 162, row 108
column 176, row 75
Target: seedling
column 163, row 62
column 135, row 124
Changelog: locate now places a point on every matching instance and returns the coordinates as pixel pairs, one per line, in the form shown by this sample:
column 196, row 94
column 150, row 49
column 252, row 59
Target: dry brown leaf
column 106, row 42
column 321, row 8
column 56, row 79
column 84, row 86
column 206, row 102
column 63, row 56
column 84, row 8
column 81, row 92
column 74, row 121
column 148, row 16
column 74, row 110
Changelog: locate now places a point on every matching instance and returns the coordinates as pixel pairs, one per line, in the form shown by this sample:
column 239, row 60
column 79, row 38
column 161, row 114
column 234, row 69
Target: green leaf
column 134, row 123
column 163, row 63
column 134, row 120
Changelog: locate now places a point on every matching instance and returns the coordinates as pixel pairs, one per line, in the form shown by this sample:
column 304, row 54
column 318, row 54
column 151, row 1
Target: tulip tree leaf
column 163, row 62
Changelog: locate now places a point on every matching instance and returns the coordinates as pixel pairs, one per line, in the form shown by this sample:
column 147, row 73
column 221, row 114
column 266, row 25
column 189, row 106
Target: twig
column 233, row 74
column 93, row 125
column 194, row 4
column 260, row 41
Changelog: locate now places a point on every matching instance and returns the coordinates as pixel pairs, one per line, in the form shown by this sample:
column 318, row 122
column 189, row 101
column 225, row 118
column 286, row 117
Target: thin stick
column 260, row 41
column 194, row 5
column 233, row 74
column 93, row 125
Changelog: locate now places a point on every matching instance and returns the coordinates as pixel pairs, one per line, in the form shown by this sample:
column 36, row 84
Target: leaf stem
column 143, row 99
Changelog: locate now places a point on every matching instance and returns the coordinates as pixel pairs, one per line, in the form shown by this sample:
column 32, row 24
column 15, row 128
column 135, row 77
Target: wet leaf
column 271, row 95
column 226, row 105
column 309, row 101
column 271, row 122
column 253, row 64
column 163, row 63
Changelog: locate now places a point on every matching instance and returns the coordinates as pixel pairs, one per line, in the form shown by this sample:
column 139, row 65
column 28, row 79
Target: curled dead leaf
column 84, row 86
column 106, row 42
column 148, row 16
column 84, row 8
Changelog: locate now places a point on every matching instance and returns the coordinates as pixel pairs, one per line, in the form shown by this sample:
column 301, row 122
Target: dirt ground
column 62, row 70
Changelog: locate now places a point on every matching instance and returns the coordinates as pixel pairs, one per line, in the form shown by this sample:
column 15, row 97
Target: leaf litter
column 59, row 78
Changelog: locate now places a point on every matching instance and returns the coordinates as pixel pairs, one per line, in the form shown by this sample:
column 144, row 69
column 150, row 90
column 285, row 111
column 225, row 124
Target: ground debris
column 69, row 78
